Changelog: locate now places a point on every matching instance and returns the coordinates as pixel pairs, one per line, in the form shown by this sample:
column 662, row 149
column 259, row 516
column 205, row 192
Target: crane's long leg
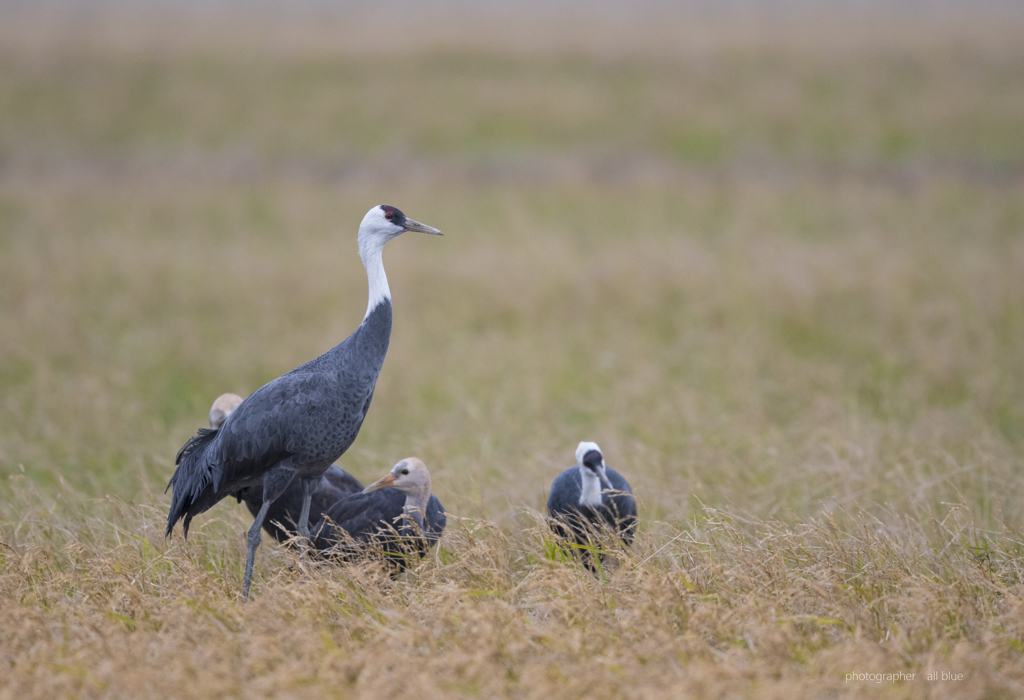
column 308, row 487
column 275, row 482
column 254, row 542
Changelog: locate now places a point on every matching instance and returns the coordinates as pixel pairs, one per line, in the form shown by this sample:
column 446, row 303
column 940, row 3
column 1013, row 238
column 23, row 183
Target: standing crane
column 590, row 497
column 296, row 426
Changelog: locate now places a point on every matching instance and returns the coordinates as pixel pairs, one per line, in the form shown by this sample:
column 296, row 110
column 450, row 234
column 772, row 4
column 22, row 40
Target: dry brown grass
column 98, row 605
column 781, row 282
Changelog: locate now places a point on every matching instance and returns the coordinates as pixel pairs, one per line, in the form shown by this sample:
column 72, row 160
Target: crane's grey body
column 617, row 509
column 396, row 516
column 376, row 517
column 295, row 427
column 283, row 514
column 591, row 495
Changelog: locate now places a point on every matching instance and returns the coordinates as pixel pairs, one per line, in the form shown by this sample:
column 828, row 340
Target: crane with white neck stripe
column 296, row 426
column 590, row 497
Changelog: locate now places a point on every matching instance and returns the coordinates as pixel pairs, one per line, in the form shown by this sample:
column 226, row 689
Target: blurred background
column 770, row 255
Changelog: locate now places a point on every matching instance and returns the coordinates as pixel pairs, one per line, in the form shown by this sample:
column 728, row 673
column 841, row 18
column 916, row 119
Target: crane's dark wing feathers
column 372, row 519
column 316, row 415
column 189, row 479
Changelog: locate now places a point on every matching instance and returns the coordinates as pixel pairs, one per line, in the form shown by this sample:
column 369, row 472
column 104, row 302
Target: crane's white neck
column 371, row 250
column 416, row 509
column 590, row 494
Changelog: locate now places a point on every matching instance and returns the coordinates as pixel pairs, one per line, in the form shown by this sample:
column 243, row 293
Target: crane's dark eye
column 405, row 471
column 393, row 215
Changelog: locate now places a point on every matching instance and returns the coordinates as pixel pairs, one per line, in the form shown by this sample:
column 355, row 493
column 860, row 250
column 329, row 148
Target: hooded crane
column 296, row 426
column 591, row 496
column 284, row 512
column 395, row 516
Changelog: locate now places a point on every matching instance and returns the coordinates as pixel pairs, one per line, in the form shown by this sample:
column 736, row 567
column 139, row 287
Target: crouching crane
column 590, row 497
column 393, row 519
column 296, row 426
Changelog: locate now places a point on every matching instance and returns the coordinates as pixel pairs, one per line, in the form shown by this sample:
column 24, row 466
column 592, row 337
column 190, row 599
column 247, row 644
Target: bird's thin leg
column 275, row 482
column 254, row 542
column 308, row 486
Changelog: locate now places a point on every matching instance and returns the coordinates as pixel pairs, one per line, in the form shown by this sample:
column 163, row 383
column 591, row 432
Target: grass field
column 780, row 281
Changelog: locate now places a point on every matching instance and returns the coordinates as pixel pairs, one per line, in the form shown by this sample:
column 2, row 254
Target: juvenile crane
column 392, row 518
column 284, row 512
column 296, row 426
column 589, row 496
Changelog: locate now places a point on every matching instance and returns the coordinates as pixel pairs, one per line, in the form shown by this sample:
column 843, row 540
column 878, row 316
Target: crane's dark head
column 590, row 458
column 382, row 223
column 588, row 455
column 223, row 407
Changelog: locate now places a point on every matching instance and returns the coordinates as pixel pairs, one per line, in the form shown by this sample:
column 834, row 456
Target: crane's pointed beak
column 381, row 483
column 411, row 225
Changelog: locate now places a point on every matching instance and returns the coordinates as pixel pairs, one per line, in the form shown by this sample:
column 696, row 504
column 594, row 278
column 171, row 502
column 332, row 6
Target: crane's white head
column 223, row 407
column 590, row 459
column 410, row 476
column 382, row 223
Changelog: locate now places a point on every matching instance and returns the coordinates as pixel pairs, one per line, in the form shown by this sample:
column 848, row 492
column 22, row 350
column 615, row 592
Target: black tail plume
column 193, row 474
